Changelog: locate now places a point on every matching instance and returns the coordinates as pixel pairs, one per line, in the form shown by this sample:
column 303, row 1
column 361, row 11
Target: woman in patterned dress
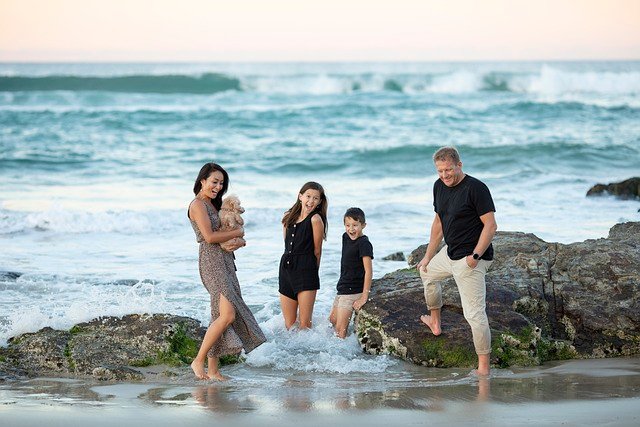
column 232, row 326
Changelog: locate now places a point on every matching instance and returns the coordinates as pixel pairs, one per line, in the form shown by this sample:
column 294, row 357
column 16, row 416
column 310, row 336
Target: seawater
column 98, row 161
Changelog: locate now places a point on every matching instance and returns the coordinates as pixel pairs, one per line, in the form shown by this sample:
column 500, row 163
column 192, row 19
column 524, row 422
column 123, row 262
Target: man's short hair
column 355, row 214
column 446, row 153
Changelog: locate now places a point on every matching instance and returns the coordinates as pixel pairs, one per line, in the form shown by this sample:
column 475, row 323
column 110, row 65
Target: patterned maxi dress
column 218, row 274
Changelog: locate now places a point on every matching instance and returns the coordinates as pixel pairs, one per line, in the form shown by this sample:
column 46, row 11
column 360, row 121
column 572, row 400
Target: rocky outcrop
column 396, row 256
column 107, row 348
column 627, row 189
column 544, row 301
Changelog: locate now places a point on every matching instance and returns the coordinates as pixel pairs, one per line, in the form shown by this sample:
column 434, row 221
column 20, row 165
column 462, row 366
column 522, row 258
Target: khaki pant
column 472, row 288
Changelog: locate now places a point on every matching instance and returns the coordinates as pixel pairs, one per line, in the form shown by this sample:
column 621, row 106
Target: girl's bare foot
column 432, row 324
column 198, row 370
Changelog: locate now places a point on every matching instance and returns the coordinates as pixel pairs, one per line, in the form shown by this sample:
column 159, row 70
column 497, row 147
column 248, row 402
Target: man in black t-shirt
column 465, row 218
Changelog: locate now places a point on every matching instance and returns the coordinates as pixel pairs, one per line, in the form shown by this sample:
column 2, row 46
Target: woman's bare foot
column 216, row 375
column 198, row 370
column 431, row 323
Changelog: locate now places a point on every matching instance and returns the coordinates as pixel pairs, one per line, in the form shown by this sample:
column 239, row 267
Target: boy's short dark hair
column 355, row 214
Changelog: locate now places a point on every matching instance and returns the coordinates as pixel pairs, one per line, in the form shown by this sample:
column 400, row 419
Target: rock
column 9, row 275
column 116, row 373
column 544, row 301
column 628, row 189
column 417, row 254
column 105, row 348
column 397, row 256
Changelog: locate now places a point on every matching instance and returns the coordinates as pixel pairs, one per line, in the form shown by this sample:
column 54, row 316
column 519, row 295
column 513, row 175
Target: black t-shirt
column 351, row 267
column 459, row 209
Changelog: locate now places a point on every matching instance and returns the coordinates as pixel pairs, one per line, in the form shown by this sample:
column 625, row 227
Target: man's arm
column 434, row 241
column 488, row 231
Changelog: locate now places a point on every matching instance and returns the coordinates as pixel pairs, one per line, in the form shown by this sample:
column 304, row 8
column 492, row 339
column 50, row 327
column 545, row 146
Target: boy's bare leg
column 289, row 311
column 332, row 316
column 212, row 370
column 432, row 321
column 343, row 318
column 306, row 300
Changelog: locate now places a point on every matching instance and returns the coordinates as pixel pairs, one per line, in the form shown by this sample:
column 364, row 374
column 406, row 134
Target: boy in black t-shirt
column 356, row 271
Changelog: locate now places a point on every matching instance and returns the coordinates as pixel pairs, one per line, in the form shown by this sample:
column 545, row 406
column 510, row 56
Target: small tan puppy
column 230, row 219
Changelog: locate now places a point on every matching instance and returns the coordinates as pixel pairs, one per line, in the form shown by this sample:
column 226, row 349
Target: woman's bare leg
column 213, row 334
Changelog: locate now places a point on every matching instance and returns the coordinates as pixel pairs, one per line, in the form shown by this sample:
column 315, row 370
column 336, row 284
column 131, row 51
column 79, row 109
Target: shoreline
column 580, row 392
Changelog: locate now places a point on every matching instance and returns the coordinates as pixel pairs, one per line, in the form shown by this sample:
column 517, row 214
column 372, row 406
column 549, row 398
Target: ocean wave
column 547, row 80
column 204, row 84
column 60, row 220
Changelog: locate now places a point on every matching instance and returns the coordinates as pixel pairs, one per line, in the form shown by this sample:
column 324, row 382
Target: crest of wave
column 553, row 81
column 60, row 308
column 62, row 220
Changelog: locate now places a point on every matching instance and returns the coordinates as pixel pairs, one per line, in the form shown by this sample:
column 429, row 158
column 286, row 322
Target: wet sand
column 579, row 392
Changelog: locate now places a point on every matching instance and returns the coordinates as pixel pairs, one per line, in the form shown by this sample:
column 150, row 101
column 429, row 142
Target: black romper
column 299, row 265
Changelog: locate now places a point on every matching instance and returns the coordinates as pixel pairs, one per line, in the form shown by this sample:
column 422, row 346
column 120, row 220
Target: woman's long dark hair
column 205, row 172
column 292, row 215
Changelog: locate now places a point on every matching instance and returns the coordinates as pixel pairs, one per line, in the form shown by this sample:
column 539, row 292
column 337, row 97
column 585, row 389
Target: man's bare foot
column 217, row 376
column 431, row 323
column 480, row 373
column 198, row 370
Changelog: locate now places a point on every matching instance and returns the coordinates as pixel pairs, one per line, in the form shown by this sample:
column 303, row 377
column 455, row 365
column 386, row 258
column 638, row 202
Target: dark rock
column 9, row 275
column 544, row 301
column 116, row 373
column 398, row 256
column 105, row 348
column 417, row 254
column 628, row 189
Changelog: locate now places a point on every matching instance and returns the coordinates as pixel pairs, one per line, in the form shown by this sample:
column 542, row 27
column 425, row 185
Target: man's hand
column 422, row 265
column 472, row 263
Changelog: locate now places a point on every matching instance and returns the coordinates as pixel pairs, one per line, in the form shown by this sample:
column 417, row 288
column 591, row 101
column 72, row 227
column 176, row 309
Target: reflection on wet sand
column 271, row 393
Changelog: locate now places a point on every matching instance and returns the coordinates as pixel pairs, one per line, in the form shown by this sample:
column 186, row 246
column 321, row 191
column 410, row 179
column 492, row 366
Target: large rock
column 105, row 348
column 627, row 189
column 544, row 301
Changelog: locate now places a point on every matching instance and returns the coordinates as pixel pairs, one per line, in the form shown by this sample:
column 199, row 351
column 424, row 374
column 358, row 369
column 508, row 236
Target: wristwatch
column 476, row 256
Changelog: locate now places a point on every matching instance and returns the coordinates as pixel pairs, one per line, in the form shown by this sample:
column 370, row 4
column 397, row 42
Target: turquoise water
column 98, row 160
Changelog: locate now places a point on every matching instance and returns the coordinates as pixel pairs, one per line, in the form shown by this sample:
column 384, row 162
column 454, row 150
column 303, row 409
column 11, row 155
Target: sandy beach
column 577, row 392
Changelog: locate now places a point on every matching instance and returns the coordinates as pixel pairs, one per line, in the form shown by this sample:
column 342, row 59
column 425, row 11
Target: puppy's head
column 232, row 203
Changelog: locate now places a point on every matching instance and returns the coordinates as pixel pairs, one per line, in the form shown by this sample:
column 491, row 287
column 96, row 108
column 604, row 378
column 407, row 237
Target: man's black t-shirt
column 351, row 267
column 459, row 209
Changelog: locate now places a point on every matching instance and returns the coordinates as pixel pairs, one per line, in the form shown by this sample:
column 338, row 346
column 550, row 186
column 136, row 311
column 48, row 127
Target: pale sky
column 328, row 30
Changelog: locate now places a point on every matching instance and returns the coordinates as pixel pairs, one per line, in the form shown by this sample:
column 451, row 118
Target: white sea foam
column 314, row 350
column 34, row 302
column 555, row 81
column 61, row 220
column 457, row 82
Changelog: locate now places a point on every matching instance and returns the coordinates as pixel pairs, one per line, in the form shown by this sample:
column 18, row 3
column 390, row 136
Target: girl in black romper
column 304, row 228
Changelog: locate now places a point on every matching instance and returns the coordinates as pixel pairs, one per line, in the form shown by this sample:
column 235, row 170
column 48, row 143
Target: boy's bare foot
column 217, row 376
column 431, row 323
column 198, row 370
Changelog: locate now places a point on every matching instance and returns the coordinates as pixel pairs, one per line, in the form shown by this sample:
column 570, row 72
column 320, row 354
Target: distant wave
column 66, row 221
column 205, row 84
column 547, row 81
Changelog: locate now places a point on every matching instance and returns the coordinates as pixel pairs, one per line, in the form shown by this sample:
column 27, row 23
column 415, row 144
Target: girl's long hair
column 205, row 172
column 292, row 215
